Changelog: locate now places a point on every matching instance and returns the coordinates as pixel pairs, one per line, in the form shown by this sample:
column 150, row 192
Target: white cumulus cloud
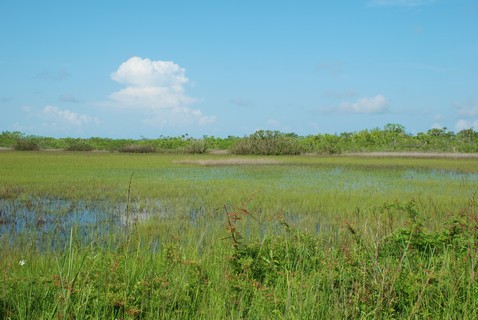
column 146, row 73
column 55, row 116
column 159, row 88
column 377, row 104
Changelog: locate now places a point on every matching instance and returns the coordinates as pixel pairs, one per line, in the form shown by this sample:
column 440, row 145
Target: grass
column 299, row 237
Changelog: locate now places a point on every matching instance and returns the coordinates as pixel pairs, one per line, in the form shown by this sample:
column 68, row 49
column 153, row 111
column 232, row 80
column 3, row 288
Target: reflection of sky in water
column 39, row 217
column 296, row 177
column 55, row 218
column 437, row 175
column 49, row 221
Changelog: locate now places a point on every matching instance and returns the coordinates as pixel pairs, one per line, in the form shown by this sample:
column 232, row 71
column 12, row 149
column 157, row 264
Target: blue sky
column 149, row 68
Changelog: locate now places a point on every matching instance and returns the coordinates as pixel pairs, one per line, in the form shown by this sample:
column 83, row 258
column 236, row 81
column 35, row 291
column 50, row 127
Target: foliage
column 138, row 148
column 79, row 145
column 196, row 146
column 8, row 139
column 267, row 143
column 459, row 236
column 393, row 137
column 25, row 144
column 401, row 275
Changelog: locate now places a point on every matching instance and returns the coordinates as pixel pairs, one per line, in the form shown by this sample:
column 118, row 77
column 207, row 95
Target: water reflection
column 48, row 222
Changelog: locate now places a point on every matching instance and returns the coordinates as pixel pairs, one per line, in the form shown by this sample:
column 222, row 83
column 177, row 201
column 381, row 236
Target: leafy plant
column 25, row 144
column 266, row 142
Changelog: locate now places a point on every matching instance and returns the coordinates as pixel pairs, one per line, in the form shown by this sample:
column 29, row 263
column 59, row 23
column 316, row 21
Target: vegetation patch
column 231, row 162
column 25, row 144
column 319, row 238
column 138, row 148
column 268, row 143
column 390, row 138
column 79, row 146
column 196, row 146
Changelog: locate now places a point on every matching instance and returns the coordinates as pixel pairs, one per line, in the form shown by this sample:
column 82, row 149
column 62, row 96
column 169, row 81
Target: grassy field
column 165, row 236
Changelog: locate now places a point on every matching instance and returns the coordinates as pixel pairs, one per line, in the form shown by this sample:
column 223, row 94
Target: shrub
column 25, row 144
column 79, row 146
column 268, row 143
column 196, row 146
column 8, row 139
column 138, row 148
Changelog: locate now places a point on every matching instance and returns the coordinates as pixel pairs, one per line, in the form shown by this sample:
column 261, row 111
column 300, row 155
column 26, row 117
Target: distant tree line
column 393, row 137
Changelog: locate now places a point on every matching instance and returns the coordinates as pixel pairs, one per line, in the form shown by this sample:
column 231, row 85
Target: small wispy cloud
column 55, row 117
column 179, row 118
column 468, row 108
column 158, row 88
column 274, row 124
column 373, row 105
column 466, row 124
column 399, row 3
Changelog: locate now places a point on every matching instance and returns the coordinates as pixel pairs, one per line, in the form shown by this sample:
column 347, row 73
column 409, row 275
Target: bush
column 79, row 146
column 26, row 145
column 268, row 143
column 8, row 139
column 196, row 146
column 138, row 148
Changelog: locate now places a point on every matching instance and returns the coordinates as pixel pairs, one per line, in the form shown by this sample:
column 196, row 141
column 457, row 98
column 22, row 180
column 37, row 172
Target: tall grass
column 303, row 237
column 220, row 270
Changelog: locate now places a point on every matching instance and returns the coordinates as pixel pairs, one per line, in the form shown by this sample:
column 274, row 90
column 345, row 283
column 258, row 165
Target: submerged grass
column 305, row 238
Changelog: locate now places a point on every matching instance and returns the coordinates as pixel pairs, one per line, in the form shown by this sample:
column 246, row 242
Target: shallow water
column 49, row 222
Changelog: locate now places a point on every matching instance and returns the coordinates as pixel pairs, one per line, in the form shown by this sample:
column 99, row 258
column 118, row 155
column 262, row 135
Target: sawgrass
column 303, row 237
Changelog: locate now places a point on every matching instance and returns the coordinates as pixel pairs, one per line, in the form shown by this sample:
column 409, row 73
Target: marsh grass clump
column 198, row 146
column 26, row 144
column 266, row 142
column 264, row 260
column 460, row 234
column 258, row 267
column 138, row 148
column 413, row 272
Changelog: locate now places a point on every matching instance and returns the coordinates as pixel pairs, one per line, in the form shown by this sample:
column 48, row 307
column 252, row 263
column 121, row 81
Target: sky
column 131, row 69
